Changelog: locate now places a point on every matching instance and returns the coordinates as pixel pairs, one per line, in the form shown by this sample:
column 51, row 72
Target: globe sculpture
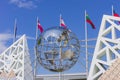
column 57, row 49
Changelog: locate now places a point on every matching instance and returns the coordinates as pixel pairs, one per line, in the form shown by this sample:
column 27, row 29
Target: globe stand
column 59, row 75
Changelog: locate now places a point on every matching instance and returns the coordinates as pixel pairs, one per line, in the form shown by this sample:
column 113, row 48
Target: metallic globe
column 57, row 49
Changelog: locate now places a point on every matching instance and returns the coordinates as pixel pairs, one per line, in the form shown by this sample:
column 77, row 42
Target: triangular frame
column 15, row 62
column 112, row 46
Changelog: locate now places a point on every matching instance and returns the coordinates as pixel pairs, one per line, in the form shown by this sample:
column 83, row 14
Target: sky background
column 48, row 12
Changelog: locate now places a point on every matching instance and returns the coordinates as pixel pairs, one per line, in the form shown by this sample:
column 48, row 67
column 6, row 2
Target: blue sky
column 48, row 11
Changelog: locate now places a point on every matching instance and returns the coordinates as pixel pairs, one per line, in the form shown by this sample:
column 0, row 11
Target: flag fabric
column 39, row 26
column 115, row 14
column 88, row 20
column 39, row 41
column 62, row 23
column 15, row 29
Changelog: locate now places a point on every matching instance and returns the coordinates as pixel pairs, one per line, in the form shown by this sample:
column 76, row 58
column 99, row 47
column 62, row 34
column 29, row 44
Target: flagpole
column 86, row 44
column 37, row 29
column 15, row 26
column 35, row 51
column 60, row 19
column 60, row 49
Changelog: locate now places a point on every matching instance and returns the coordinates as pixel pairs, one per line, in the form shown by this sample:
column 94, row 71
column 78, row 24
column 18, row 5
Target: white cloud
column 23, row 3
column 3, row 40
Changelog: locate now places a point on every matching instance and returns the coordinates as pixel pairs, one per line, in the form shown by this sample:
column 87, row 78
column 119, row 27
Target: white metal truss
column 15, row 62
column 107, row 46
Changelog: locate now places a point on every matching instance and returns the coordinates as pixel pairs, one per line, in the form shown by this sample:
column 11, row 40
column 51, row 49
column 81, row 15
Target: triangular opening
column 1, row 64
column 16, row 51
column 104, row 66
column 7, row 52
column 19, row 65
column 102, row 56
column 2, row 57
column 21, row 57
column 96, row 69
column 15, row 65
column 113, row 56
column 101, row 45
column 117, row 32
column 20, row 74
column 20, row 49
column 108, row 34
column 15, row 44
column 21, row 42
column 115, row 21
column 118, row 50
column 6, row 57
column 111, row 43
column 12, row 49
column 107, row 24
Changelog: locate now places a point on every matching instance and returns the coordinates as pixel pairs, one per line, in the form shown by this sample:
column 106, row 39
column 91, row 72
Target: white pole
column 60, row 19
column 15, row 27
column 37, row 29
column 60, row 60
column 35, row 51
column 60, row 49
column 86, row 44
column 59, row 75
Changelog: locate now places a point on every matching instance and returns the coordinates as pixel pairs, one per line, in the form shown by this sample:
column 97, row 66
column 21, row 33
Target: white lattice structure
column 107, row 47
column 15, row 62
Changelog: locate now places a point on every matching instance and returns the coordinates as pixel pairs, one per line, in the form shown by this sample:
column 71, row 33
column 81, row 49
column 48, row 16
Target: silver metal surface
column 58, row 49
